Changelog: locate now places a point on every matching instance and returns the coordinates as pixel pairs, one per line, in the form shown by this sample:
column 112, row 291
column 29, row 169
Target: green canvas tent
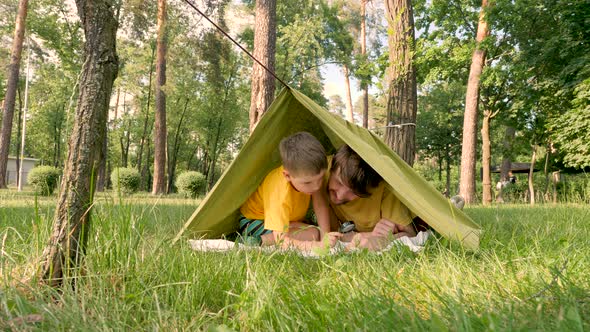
column 292, row 112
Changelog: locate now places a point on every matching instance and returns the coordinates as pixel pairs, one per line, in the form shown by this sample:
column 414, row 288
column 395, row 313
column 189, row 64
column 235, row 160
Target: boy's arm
column 322, row 211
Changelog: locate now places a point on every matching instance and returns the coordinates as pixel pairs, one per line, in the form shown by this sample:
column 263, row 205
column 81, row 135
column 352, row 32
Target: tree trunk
column 555, row 178
column 469, row 147
column 400, row 134
column 144, row 133
column 71, row 223
column 546, row 172
column 159, row 182
column 102, row 162
column 11, row 87
column 364, row 84
column 506, row 161
column 448, row 172
column 265, row 38
column 103, row 173
column 125, row 145
column 18, row 142
column 531, row 172
column 349, row 110
column 507, row 153
column 486, row 158
column 58, row 128
column 145, row 170
column 173, row 153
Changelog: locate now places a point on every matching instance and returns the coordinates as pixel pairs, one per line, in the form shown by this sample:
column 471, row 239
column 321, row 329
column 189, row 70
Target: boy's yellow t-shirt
column 276, row 202
column 366, row 212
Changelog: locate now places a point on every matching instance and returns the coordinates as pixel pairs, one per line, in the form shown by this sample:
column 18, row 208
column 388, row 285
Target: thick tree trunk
column 469, row 147
column 265, row 38
column 11, row 87
column 349, row 110
column 531, row 172
column 486, row 158
column 71, row 223
column 364, row 85
column 159, row 182
column 400, row 134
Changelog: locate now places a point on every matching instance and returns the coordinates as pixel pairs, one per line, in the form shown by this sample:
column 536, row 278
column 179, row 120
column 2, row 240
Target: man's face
column 307, row 184
column 338, row 191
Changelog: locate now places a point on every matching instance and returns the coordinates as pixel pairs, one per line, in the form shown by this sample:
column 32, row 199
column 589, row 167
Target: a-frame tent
column 292, row 112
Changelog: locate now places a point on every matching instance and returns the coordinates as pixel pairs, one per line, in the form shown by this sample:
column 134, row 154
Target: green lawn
column 531, row 273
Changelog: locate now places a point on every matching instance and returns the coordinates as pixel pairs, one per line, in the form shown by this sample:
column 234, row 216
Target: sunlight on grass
column 529, row 274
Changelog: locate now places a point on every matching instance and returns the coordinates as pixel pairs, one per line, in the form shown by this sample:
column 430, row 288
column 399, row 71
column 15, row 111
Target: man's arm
column 385, row 227
column 380, row 237
column 286, row 241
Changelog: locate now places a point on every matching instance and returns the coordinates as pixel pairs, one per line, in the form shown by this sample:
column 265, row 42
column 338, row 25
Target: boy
column 274, row 213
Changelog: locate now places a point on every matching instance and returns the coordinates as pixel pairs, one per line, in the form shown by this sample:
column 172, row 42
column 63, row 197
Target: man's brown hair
column 355, row 173
column 303, row 154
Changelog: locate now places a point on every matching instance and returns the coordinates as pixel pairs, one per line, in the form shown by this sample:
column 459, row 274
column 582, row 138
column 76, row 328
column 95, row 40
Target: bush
column 125, row 180
column 44, row 179
column 191, row 183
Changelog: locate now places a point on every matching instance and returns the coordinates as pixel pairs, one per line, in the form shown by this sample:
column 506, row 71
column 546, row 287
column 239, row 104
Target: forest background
column 534, row 88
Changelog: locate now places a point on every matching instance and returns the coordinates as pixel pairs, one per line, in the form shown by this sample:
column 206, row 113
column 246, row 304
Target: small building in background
column 11, row 170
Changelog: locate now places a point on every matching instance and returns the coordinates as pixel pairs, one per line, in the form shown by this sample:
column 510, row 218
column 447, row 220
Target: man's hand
column 384, row 228
column 366, row 240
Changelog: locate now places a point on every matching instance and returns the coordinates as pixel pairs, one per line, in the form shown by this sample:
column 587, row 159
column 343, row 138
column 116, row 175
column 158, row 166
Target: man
column 357, row 193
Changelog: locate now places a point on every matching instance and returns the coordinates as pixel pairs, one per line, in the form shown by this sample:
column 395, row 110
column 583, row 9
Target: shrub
column 44, row 179
column 125, row 180
column 191, row 183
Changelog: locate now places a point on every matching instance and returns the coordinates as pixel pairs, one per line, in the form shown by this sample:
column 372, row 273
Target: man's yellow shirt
column 366, row 212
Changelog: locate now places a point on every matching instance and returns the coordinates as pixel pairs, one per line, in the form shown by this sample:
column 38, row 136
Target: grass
column 531, row 273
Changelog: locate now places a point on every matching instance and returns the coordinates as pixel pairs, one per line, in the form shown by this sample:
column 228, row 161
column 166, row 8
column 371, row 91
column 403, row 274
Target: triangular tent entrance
column 292, row 112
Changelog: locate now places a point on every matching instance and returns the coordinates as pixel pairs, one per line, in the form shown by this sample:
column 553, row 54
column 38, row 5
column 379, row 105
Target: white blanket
column 415, row 244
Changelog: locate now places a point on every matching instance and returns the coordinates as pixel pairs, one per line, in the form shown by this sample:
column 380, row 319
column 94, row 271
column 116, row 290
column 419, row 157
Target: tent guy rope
column 235, row 42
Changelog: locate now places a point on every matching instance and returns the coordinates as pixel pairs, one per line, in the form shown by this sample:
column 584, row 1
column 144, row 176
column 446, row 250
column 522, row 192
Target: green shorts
column 251, row 230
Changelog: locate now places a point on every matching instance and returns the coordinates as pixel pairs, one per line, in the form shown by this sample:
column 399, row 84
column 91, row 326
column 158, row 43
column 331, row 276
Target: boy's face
column 307, row 184
column 338, row 191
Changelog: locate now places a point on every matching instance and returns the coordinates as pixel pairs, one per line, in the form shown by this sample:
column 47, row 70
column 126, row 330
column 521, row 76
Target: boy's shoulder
column 275, row 177
column 276, row 172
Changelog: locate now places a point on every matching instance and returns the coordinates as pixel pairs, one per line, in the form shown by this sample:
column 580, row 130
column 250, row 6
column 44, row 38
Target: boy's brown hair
column 355, row 173
column 303, row 154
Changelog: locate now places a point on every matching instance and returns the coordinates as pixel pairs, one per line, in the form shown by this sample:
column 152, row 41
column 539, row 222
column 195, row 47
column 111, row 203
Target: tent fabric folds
column 292, row 112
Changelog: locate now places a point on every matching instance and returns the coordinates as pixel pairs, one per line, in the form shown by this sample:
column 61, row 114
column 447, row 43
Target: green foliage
column 191, row 183
column 44, row 179
column 571, row 131
column 125, row 180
